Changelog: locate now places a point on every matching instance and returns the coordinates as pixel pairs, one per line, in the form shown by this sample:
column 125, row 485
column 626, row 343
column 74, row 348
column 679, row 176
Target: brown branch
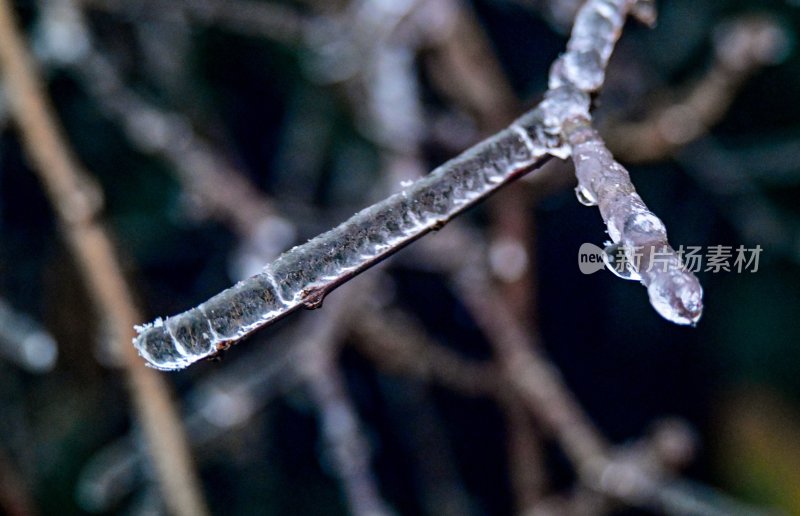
column 77, row 199
column 345, row 442
column 398, row 344
column 742, row 47
column 15, row 498
column 463, row 67
column 525, row 451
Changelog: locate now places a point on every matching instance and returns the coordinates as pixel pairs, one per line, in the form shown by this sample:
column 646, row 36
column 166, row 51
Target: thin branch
column 741, row 47
column 305, row 274
column 345, row 442
column 76, row 199
column 526, row 462
column 463, row 66
column 398, row 344
column 674, row 292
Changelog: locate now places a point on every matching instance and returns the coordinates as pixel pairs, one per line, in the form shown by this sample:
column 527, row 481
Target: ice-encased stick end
column 677, row 297
column 155, row 344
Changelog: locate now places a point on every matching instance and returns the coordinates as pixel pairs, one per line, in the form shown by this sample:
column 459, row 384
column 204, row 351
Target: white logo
column 590, row 258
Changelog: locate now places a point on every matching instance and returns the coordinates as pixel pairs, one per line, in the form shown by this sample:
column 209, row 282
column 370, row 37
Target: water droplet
column 584, row 196
column 616, row 261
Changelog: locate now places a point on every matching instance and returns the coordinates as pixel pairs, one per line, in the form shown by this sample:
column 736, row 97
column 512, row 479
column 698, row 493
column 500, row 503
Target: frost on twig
column 306, row 273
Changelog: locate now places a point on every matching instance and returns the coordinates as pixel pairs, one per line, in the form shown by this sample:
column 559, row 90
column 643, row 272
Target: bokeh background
column 324, row 107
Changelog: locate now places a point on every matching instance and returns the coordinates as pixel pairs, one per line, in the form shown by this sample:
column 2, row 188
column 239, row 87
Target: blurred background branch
column 77, row 200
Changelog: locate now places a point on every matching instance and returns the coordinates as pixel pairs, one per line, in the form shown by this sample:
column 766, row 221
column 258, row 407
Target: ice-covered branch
column 305, row 274
column 674, row 292
column 597, row 27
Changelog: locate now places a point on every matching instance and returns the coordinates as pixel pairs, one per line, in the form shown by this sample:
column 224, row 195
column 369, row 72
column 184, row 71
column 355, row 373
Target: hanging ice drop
column 616, row 259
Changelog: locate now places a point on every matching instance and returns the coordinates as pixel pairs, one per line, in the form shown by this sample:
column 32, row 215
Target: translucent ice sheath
column 674, row 292
column 305, row 274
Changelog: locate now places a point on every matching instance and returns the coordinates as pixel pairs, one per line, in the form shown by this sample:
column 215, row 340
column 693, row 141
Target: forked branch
column 306, row 273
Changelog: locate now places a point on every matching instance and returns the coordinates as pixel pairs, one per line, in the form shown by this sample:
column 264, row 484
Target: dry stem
column 77, row 200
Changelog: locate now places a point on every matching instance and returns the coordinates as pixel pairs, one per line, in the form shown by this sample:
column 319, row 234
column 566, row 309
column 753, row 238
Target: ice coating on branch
column 193, row 334
column 304, row 274
column 157, row 346
column 674, row 292
column 546, row 124
column 597, row 27
column 558, row 127
column 638, row 235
